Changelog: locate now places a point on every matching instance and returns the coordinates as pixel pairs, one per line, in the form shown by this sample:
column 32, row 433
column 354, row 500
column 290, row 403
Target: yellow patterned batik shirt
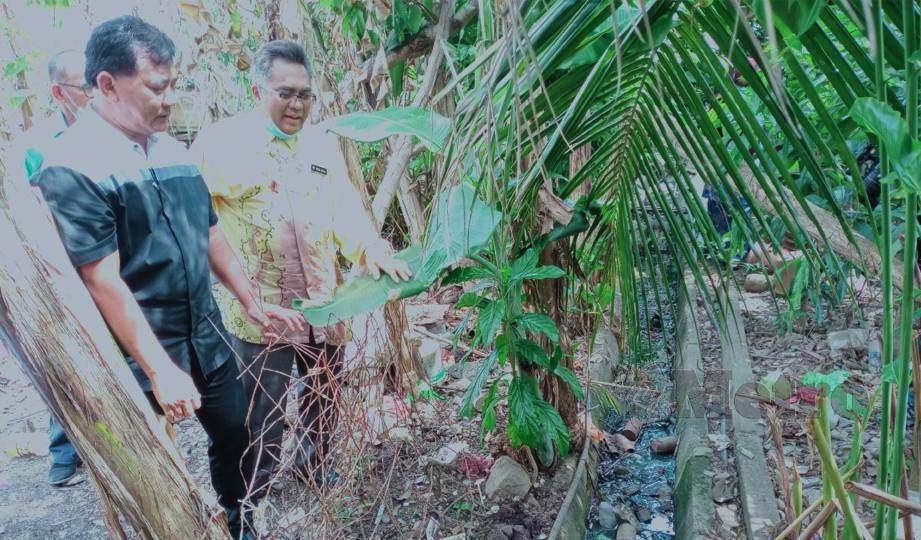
column 288, row 210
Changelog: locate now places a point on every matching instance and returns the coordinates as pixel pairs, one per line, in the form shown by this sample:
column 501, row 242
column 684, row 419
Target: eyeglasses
column 304, row 96
column 85, row 88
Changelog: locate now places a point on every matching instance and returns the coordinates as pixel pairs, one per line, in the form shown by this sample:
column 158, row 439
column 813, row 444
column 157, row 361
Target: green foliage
column 461, row 225
column 532, row 420
column 16, row 66
column 354, row 14
column 406, row 18
column 794, row 16
column 430, row 127
column 904, row 151
column 831, row 381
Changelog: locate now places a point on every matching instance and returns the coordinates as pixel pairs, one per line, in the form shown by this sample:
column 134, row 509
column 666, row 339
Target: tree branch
column 423, row 41
column 402, row 145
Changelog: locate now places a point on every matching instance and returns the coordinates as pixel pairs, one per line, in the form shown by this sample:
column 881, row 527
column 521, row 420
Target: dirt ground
column 29, row 506
column 806, row 346
column 403, row 495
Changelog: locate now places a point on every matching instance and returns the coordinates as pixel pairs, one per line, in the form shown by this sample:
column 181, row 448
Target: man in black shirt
column 136, row 219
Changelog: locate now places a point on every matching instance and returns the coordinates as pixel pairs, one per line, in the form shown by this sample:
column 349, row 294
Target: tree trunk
column 50, row 325
column 402, row 145
column 551, row 295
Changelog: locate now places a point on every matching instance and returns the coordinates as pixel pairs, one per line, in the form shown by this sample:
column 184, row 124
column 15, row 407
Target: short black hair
column 114, row 46
column 280, row 49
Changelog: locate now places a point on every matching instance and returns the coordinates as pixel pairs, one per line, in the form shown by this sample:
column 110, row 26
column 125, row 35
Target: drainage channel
column 633, row 498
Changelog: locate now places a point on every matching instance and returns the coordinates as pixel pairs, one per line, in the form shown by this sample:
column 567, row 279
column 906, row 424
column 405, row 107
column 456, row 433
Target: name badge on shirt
column 318, row 169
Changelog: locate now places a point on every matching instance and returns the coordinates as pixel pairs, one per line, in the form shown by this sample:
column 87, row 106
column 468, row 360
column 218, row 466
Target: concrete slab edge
column 570, row 521
column 756, row 489
column 695, row 512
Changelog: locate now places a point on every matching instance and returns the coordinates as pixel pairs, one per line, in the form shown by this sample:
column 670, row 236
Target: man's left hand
column 274, row 319
column 395, row 268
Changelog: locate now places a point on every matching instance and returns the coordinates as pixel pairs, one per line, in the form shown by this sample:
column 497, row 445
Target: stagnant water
column 642, row 482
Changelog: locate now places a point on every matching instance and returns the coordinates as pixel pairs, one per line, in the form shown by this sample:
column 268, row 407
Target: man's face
column 143, row 100
column 288, row 96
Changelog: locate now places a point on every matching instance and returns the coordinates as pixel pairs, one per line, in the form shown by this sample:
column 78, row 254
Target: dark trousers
column 223, row 415
column 266, row 378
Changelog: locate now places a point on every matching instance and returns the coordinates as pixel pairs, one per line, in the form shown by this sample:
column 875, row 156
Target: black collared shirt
column 154, row 209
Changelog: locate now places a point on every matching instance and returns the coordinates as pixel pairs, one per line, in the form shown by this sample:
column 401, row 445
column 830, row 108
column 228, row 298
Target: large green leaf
column 429, row 126
column 461, row 225
column 531, row 418
column 903, row 150
column 539, row 324
column 794, row 15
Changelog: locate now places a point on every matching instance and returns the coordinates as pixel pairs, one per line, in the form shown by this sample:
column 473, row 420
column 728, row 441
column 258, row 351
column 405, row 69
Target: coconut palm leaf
column 673, row 95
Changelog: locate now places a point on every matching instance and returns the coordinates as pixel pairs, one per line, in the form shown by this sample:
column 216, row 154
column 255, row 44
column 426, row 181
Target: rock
column 723, row 490
column 619, row 444
column 643, row 514
column 531, row 503
column 626, row 532
column 425, row 410
column 520, row 533
column 850, row 339
column 463, row 370
column 607, row 516
column 447, row 455
column 425, row 314
column 461, row 536
column 660, row 524
column 756, row 283
column 480, row 401
column 431, row 353
column 507, row 480
column 400, row 434
column 502, row 532
column 752, row 305
column 663, row 445
column 625, row 514
column 727, row 516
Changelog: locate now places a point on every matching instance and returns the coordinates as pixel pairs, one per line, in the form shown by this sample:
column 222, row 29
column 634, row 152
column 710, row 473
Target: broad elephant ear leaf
column 430, row 127
column 461, row 225
column 888, row 125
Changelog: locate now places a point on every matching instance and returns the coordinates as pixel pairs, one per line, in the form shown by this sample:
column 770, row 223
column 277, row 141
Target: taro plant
column 502, row 320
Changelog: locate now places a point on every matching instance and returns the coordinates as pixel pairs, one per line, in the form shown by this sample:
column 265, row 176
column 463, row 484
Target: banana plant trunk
column 50, row 324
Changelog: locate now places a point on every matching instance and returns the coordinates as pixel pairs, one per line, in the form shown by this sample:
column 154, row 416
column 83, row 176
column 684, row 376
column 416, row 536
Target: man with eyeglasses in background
column 281, row 189
column 71, row 94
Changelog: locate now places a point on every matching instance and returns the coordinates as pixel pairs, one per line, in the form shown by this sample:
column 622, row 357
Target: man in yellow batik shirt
column 282, row 193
